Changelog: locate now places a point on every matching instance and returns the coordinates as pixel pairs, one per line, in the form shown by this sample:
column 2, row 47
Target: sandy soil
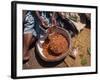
column 82, row 42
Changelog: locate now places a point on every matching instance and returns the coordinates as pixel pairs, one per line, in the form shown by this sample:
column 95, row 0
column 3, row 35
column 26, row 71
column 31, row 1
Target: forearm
column 38, row 16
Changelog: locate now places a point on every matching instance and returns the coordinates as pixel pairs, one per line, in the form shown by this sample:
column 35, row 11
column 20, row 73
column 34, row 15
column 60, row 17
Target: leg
column 28, row 39
column 28, row 24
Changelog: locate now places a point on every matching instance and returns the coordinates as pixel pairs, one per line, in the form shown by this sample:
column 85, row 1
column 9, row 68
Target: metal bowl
column 39, row 43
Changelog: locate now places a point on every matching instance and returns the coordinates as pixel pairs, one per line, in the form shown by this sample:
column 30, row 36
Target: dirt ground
column 83, row 58
column 82, row 42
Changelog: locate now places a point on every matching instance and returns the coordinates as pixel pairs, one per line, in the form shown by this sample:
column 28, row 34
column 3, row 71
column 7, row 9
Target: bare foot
column 26, row 56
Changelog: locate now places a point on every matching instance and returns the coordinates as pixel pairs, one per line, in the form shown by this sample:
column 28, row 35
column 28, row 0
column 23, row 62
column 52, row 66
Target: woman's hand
column 53, row 20
column 42, row 22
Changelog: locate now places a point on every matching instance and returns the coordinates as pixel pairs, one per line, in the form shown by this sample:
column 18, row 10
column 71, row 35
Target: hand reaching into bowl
column 45, row 21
